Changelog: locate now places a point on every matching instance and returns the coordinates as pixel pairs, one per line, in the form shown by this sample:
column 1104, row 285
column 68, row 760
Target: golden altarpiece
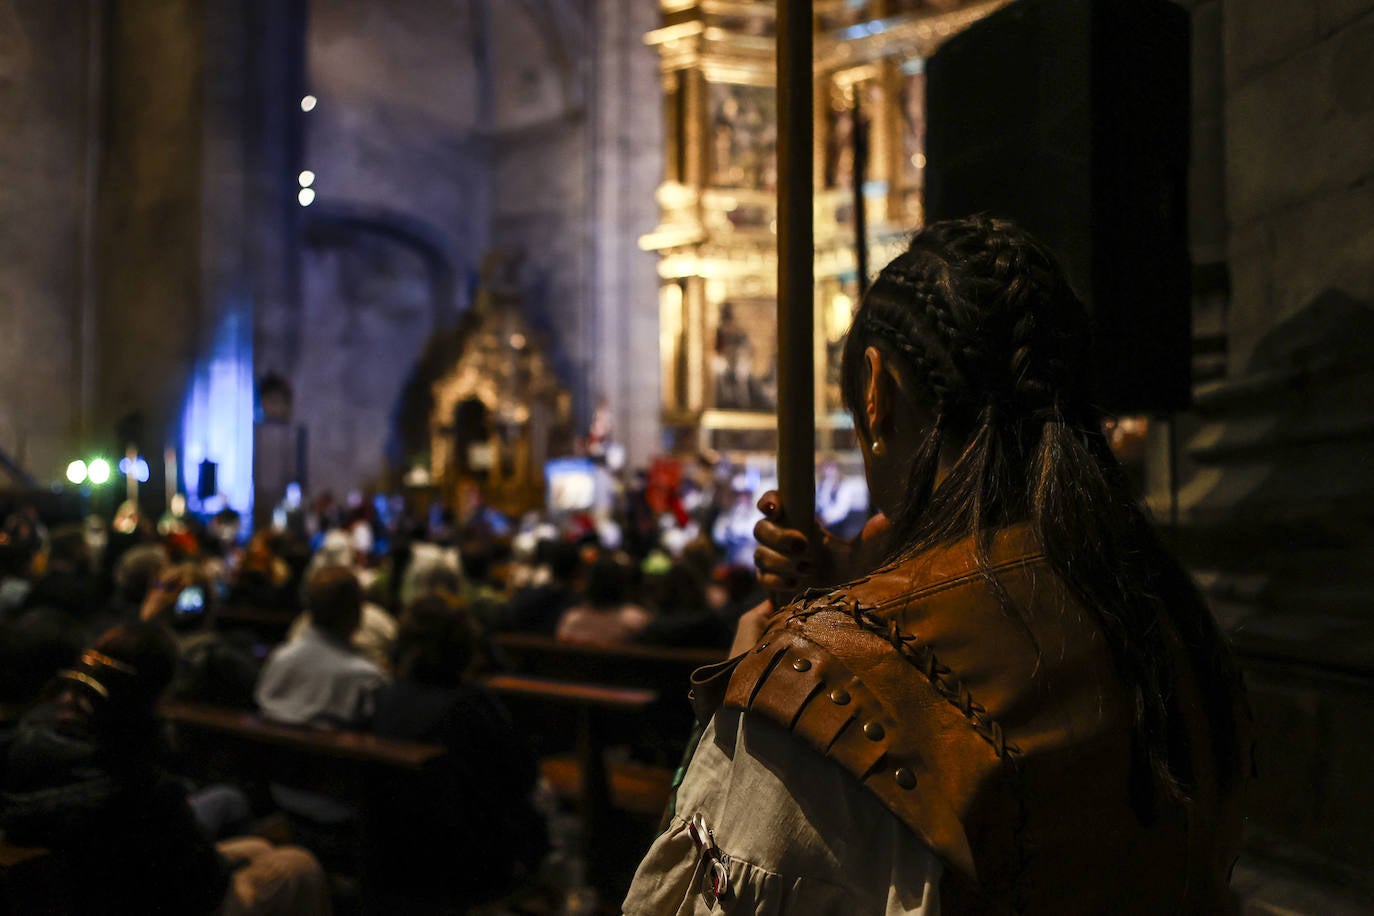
column 717, row 237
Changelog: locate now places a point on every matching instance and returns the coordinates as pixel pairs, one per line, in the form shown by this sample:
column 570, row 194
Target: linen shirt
column 318, row 680
column 798, row 835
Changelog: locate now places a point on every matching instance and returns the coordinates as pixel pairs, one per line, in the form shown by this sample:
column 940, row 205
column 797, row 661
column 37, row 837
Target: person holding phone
column 1006, row 696
column 212, row 667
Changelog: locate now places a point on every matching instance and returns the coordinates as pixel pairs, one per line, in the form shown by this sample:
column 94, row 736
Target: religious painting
column 744, row 355
column 743, row 137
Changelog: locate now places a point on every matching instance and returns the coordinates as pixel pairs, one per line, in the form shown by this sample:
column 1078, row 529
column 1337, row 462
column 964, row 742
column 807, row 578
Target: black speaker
column 208, row 483
column 1070, row 117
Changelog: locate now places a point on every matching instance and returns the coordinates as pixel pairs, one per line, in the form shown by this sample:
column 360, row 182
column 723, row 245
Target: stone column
column 192, row 231
column 627, row 151
column 150, row 221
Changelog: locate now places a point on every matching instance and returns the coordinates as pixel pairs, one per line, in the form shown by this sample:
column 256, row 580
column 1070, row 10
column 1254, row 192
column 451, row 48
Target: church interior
column 485, row 301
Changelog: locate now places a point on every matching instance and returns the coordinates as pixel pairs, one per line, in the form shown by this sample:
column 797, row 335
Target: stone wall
column 46, row 114
column 1276, row 514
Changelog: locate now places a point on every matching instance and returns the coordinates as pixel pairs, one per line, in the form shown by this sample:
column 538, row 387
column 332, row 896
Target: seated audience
column 212, row 666
column 317, row 678
column 605, row 616
column 433, row 570
column 67, row 583
column 135, row 575
column 375, row 634
column 262, row 580
column 82, row 776
column 461, row 832
column 16, row 564
column 538, row 607
column 683, row 618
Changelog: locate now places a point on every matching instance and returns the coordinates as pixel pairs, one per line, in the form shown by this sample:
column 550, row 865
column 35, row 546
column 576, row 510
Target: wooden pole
column 796, row 267
column 860, row 175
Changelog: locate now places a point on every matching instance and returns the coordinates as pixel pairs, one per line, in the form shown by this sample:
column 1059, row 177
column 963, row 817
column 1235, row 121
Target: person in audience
column 135, row 575
column 82, row 776
column 605, row 616
column 16, row 566
column 375, row 633
column 537, row 608
column 68, row 583
column 212, row 666
column 433, row 570
column 318, row 678
column 422, row 842
column 682, row 617
column 262, row 579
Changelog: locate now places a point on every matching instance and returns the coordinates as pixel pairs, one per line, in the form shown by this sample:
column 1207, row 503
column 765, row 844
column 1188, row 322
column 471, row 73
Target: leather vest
column 1009, row 757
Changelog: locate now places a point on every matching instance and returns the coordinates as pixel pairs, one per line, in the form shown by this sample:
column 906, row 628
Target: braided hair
column 986, row 333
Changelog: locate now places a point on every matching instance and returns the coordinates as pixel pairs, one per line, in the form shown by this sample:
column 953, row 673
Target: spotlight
column 137, row 469
column 76, row 471
column 98, row 471
column 306, row 178
column 308, row 103
column 306, row 197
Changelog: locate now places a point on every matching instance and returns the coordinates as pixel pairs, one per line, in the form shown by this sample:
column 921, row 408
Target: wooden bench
column 585, row 776
column 357, row 747
column 661, row 668
column 662, row 732
column 230, row 745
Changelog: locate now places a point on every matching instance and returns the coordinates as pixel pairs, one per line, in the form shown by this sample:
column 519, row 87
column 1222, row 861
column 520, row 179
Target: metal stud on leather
column 801, row 664
column 839, row 696
column 874, row 731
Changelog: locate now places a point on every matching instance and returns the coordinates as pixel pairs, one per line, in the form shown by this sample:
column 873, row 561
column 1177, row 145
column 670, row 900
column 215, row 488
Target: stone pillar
column 627, row 163
column 193, row 223
column 150, row 224
column 50, row 78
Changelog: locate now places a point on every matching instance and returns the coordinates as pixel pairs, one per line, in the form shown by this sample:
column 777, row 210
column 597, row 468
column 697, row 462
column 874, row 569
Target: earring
column 878, row 447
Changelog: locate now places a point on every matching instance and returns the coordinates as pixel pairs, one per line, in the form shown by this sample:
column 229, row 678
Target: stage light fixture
column 76, row 471
column 308, row 103
column 98, row 471
column 306, row 178
column 306, row 197
column 137, row 469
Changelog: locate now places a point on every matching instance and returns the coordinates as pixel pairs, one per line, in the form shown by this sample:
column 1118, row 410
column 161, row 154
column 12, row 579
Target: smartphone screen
column 191, row 601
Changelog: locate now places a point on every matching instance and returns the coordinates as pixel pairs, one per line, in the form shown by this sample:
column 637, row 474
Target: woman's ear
column 877, row 392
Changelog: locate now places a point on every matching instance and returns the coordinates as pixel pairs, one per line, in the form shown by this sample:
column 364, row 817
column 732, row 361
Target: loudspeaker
column 207, row 484
column 1070, row 117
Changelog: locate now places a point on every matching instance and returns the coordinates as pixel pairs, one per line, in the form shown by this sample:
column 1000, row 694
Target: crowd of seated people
column 389, row 639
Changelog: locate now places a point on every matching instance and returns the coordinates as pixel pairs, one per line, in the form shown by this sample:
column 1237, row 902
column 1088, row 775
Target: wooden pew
column 662, row 732
column 585, row 776
column 662, row 668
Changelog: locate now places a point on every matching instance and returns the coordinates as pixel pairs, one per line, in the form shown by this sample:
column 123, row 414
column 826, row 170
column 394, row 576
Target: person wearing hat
column 81, row 775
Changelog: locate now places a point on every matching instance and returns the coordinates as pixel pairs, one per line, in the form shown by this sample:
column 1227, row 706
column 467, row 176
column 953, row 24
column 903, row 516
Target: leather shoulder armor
column 895, row 720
